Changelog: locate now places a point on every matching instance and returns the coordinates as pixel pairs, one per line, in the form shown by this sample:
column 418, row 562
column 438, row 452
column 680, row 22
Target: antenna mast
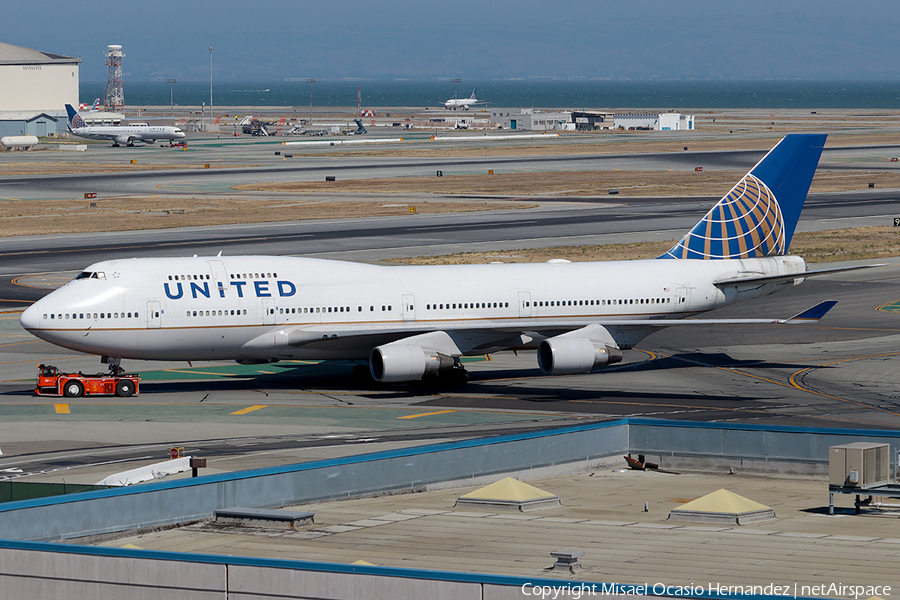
column 115, row 94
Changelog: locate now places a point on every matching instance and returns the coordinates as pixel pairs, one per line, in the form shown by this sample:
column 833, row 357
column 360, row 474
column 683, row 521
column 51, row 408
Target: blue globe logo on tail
column 746, row 223
column 75, row 120
column 757, row 218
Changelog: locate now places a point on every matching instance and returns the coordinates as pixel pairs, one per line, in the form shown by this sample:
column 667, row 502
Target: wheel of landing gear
column 453, row 377
column 73, row 389
column 124, row 388
column 459, row 377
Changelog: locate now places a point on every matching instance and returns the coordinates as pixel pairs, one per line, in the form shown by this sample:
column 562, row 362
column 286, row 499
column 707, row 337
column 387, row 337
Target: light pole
column 171, row 83
column 210, row 85
column 455, row 82
column 310, row 81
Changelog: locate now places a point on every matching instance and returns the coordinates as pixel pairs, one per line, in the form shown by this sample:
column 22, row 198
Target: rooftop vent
column 566, row 560
column 263, row 518
column 509, row 494
column 724, row 508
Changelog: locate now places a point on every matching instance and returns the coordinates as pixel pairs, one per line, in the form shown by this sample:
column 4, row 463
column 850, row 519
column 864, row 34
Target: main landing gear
column 449, row 378
column 115, row 365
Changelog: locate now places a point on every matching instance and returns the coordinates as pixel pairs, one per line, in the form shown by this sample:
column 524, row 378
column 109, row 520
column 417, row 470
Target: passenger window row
column 330, row 309
column 214, row 313
column 188, row 277
column 253, row 275
column 465, row 305
column 602, row 302
column 95, row 316
column 206, row 276
column 640, row 301
column 293, row 311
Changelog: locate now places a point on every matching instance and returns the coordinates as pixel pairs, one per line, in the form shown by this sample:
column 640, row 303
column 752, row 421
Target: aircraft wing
column 358, row 340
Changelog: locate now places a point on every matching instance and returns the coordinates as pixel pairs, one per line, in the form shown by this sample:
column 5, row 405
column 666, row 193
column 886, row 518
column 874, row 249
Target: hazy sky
column 391, row 39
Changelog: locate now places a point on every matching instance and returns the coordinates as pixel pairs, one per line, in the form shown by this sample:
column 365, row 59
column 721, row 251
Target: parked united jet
column 121, row 134
column 412, row 321
column 463, row 103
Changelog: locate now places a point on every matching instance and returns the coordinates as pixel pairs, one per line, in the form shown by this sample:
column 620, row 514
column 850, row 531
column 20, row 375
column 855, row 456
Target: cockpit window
column 91, row 275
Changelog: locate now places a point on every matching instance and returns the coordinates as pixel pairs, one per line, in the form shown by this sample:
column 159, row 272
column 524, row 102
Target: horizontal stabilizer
column 773, row 278
column 811, row 315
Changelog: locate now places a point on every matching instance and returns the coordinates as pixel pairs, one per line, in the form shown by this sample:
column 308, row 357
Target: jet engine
column 575, row 352
column 412, row 358
column 123, row 139
column 390, row 363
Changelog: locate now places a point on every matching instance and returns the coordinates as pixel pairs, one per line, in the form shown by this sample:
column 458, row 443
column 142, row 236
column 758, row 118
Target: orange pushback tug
column 52, row 382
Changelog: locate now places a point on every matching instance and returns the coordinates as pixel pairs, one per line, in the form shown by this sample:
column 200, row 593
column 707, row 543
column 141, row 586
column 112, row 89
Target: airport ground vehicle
column 53, row 382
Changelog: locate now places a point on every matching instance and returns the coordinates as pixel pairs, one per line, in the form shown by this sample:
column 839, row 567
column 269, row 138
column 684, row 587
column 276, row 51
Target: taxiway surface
column 840, row 372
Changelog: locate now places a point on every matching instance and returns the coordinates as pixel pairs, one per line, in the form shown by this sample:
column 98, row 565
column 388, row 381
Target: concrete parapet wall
column 757, row 448
column 36, row 573
column 41, row 570
column 166, row 503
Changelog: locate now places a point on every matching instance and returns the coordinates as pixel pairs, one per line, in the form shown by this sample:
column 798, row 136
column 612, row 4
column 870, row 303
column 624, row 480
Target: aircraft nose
column 31, row 318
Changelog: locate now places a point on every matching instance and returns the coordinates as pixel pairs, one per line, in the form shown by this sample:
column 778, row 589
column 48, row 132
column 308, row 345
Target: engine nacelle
column 393, row 363
column 564, row 355
column 123, row 139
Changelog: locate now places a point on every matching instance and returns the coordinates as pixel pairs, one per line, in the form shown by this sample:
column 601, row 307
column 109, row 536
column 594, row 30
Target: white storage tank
column 18, row 141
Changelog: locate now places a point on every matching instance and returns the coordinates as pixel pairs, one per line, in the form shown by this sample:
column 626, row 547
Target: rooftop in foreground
column 602, row 514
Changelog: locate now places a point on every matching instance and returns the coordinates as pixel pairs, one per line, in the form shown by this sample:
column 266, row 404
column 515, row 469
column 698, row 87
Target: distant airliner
column 120, row 134
column 463, row 103
column 90, row 107
column 410, row 322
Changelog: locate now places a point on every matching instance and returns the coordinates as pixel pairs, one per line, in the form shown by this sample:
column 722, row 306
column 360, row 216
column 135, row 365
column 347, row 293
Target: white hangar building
column 658, row 122
column 35, row 81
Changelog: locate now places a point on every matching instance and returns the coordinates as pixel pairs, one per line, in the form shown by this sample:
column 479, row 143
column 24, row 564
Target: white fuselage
column 270, row 308
column 457, row 103
column 128, row 134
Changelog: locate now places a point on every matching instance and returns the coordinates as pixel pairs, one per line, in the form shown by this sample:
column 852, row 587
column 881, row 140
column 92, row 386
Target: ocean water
column 673, row 95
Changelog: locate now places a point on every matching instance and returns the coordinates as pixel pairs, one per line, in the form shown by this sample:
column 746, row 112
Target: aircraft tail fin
column 75, row 120
column 96, row 105
column 472, row 97
column 758, row 216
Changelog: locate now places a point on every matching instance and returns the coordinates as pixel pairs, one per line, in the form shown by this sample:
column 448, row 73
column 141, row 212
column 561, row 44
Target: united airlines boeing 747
column 409, row 322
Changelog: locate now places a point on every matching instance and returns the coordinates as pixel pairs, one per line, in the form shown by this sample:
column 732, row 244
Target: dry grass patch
column 74, row 166
column 38, row 217
column 817, row 246
column 575, row 183
column 632, row 142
